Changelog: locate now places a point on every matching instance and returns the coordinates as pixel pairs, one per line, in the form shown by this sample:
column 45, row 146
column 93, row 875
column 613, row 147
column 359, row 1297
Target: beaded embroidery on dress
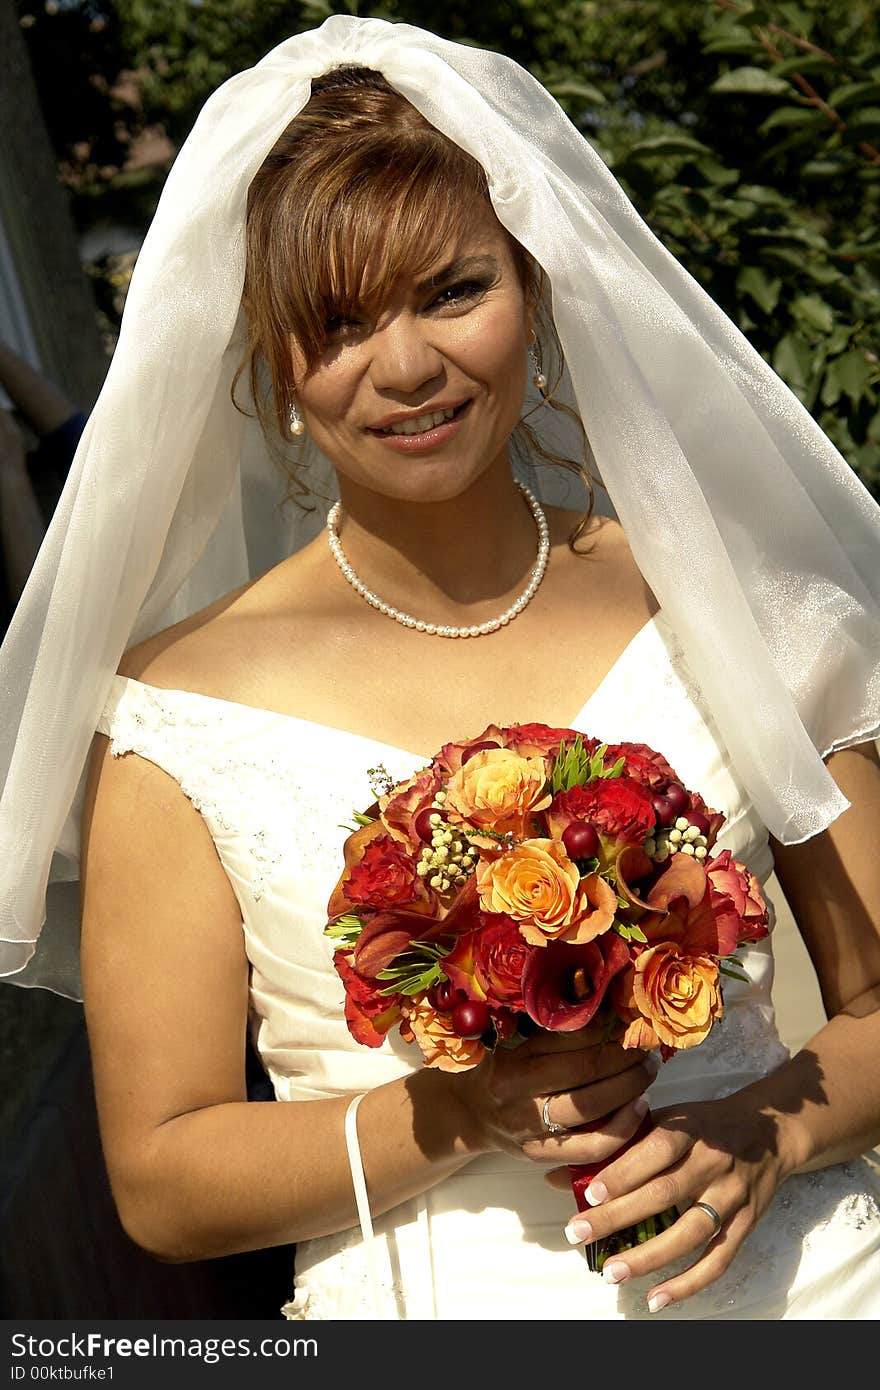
column 487, row 1242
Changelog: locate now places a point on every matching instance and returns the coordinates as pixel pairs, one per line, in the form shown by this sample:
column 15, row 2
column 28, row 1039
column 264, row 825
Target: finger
column 660, row 1150
column 664, row 1192
column 691, row 1232
column 560, row 1178
column 595, row 1034
column 568, row 1071
column 717, row 1257
column 589, row 1103
column 592, row 1145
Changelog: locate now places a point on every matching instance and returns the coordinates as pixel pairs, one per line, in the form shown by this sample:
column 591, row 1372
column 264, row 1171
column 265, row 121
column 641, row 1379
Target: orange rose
column 540, row 888
column 679, row 995
column 496, row 790
column 441, row 1046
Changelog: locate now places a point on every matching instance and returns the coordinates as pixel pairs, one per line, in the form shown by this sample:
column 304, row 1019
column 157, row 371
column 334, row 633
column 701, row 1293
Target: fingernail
column 641, row 1106
column 578, row 1230
column 658, row 1301
column 616, row 1273
column 596, row 1192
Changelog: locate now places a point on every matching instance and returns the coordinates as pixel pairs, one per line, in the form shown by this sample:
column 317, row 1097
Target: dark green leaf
column 811, row 312
column 760, row 287
column 750, row 81
column 793, row 116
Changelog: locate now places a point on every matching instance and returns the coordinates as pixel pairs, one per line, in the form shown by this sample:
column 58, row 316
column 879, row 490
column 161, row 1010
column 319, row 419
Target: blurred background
column 748, row 137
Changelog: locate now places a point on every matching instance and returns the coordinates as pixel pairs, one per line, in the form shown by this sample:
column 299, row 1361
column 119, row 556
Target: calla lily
column 563, row 985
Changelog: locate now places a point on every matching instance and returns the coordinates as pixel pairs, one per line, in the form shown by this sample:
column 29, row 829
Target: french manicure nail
column 596, row 1192
column 616, row 1273
column 658, row 1301
column 578, row 1230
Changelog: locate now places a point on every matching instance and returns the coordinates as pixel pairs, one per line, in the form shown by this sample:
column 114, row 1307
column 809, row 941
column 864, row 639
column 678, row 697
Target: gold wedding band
column 713, row 1217
column 550, row 1125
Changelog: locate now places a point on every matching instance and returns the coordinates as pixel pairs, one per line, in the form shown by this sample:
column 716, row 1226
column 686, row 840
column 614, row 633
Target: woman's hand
column 728, row 1154
column 591, row 1087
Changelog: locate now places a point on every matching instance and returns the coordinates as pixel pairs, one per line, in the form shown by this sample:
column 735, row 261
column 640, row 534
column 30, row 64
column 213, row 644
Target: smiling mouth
column 423, row 424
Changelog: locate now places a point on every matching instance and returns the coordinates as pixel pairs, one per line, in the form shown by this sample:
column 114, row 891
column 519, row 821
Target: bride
column 403, row 326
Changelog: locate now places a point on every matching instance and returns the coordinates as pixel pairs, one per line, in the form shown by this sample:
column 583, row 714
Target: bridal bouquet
column 530, row 878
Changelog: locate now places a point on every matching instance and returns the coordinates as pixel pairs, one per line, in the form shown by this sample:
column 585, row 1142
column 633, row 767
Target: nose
column 404, row 355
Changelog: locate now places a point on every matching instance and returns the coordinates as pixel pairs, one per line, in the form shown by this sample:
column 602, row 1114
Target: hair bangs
column 360, row 235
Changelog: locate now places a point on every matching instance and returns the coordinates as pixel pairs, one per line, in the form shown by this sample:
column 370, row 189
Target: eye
column 460, row 293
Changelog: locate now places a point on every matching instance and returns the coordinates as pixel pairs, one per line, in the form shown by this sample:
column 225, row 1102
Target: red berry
column 443, row 996
column 477, row 748
column 677, row 798
column 471, row 1018
column 663, row 810
column 580, row 840
column 700, row 821
column 422, row 823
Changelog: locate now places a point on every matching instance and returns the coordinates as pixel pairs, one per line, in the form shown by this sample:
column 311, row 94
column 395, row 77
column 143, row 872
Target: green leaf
column 763, row 196
column 345, row 930
column 576, row 87
column 793, row 116
column 853, row 371
column 750, row 82
column 848, row 92
column 812, row 312
column 733, row 974
column 867, row 119
column 793, row 359
column 760, row 287
column 361, row 819
column 572, row 766
column 670, row 144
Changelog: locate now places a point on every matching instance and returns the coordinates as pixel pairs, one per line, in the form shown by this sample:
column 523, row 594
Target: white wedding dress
column 488, row 1241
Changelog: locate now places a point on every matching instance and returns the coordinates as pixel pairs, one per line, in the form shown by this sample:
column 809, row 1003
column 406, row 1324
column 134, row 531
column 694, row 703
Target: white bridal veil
column 758, row 540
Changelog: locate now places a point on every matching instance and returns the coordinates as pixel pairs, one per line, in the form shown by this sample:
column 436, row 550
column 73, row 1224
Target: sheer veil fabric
column 756, row 537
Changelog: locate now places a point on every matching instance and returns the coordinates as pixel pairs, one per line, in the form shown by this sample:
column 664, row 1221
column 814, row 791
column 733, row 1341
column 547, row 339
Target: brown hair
column 360, row 190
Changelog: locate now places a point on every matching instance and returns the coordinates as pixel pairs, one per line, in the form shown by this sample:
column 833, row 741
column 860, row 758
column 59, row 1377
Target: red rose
column 619, row 808
column 732, row 882
column 368, row 1014
column 644, row 764
column 537, row 740
column 385, row 876
column 563, row 986
column 500, row 953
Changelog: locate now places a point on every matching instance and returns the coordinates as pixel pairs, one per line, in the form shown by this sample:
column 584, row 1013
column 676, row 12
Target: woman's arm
column 832, row 884
column 821, row 1107
column 195, row 1169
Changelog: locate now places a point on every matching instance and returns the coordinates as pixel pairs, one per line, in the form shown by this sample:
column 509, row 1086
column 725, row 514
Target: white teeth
column 421, row 422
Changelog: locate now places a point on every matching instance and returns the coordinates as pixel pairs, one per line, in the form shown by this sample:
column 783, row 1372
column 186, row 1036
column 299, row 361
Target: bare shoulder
column 175, row 653
column 228, row 647
column 601, row 562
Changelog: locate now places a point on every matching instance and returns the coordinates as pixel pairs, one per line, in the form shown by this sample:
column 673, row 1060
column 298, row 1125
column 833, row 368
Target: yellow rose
column 497, row 790
column 536, row 884
column 441, row 1046
column 678, row 994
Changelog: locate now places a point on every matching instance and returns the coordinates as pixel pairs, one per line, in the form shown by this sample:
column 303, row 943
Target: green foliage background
column 748, row 136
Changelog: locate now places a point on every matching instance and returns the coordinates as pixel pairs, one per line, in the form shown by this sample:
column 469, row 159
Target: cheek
column 494, row 352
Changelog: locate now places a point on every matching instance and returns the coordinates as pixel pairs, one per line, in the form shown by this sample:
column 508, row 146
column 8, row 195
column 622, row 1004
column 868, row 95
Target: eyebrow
column 462, row 266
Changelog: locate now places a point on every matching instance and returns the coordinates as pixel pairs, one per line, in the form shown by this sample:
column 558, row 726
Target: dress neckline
column 122, row 682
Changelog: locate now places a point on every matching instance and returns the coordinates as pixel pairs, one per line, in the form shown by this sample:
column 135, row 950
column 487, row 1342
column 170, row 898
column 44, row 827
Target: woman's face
column 453, row 339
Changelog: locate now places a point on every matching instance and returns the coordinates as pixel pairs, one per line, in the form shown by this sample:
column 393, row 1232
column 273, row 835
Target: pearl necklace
column 536, row 574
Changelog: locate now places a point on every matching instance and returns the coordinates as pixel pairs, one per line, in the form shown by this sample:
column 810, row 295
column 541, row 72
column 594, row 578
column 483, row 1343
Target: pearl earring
column 297, row 425
column 538, row 377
